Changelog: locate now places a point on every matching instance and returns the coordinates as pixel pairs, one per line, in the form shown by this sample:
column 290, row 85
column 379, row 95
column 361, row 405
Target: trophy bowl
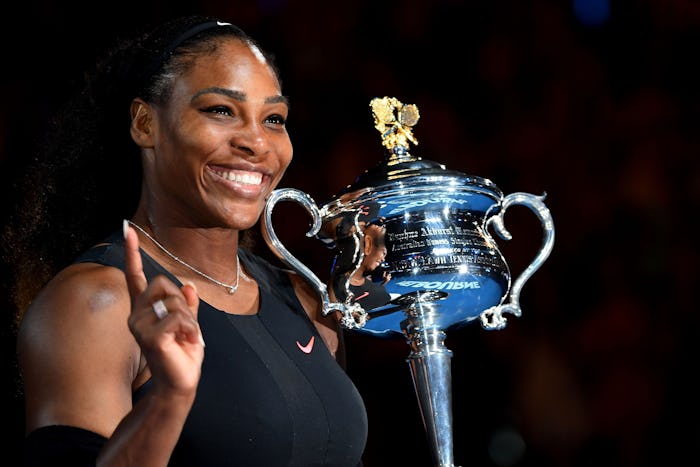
column 430, row 222
column 414, row 256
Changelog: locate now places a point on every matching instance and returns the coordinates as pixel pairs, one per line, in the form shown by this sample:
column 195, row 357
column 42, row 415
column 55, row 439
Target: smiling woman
column 112, row 344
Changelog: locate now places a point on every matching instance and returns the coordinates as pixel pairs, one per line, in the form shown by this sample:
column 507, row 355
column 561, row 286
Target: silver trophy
column 414, row 256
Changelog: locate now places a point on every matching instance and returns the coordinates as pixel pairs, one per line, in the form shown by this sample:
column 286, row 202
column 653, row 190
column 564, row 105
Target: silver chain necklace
column 231, row 288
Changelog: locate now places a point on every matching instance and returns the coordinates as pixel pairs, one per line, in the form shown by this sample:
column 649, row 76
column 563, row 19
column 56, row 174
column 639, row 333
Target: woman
column 367, row 291
column 170, row 343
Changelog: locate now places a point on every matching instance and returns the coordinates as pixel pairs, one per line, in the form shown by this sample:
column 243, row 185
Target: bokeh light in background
column 592, row 12
column 594, row 102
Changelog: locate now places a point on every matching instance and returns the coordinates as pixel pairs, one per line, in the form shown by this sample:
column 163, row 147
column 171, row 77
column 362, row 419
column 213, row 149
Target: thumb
column 190, row 292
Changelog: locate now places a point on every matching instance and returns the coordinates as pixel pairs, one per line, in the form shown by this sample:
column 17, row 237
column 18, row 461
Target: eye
column 276, row 119
column 219, row 109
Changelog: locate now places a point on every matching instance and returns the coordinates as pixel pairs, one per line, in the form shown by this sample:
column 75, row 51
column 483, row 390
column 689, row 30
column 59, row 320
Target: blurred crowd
column 592, row 102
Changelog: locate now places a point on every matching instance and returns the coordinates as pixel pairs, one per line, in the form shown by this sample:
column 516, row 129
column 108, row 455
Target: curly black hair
column 86, row 177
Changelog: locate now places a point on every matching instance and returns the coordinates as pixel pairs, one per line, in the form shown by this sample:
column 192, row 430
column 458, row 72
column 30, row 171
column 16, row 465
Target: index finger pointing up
column 135, row 278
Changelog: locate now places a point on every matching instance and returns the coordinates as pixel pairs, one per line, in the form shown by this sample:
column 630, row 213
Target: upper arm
column 77, row 356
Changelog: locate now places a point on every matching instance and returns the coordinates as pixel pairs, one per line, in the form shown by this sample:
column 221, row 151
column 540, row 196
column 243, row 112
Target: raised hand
column 164, row 322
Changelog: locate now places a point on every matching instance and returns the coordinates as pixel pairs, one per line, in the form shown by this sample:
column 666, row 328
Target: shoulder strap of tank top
column 110, row 252
column 272, row 279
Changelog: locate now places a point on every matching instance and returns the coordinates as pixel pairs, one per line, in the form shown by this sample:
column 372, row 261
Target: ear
column 369, row 243
column 142, row 123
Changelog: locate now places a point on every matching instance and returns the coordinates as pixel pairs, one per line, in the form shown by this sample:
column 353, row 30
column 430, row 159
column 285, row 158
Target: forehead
column 234, row 64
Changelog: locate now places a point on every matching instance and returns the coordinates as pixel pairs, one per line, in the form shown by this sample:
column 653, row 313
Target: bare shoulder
column 80, row 294
column 76, row 352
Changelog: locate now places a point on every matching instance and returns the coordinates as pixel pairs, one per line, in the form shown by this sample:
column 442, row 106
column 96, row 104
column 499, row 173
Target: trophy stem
column 429, row 361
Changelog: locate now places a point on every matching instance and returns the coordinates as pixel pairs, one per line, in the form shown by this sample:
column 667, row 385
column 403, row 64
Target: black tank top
column 270, row 393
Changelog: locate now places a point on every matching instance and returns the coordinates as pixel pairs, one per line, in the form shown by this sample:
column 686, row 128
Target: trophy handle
column 353, row 316
column 492, row 318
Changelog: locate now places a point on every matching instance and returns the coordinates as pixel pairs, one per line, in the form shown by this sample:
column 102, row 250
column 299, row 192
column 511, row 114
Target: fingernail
column 125, row 227
column 191, row 284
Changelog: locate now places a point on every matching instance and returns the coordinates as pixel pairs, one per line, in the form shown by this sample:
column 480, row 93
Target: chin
column 244, row 220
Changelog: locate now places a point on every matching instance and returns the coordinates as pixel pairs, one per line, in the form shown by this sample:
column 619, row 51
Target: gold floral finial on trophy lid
column 394, row 120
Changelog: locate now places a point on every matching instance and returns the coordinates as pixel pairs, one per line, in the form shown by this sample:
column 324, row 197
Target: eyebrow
column 238, row 95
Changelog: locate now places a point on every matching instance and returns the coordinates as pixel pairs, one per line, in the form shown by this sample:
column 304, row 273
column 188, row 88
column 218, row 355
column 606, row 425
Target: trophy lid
column 400, row 169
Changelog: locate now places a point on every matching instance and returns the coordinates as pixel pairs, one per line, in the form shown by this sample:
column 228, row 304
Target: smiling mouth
column 240, row 176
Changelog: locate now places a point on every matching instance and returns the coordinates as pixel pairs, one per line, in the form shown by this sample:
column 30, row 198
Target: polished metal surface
column 415, row 256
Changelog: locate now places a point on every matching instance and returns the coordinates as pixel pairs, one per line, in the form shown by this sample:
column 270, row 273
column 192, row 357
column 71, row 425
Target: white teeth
column 248, row 178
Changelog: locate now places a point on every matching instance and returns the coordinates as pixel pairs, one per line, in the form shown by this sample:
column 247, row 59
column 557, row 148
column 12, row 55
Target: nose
column 251, row 138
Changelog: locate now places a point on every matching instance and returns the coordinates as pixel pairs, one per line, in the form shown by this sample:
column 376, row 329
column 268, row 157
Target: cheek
column 201, row 141
column 177, row 150
column 193, row 132
column 284, row 153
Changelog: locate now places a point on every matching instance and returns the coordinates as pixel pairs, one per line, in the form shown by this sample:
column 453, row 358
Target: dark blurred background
column 593, row 102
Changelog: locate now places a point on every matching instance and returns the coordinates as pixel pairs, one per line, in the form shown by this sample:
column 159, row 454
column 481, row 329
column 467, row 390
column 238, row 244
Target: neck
column 188, row 240
column 206, row 252
column 357, row 279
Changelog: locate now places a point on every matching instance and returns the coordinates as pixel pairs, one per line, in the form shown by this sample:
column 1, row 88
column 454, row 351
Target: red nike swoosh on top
column 306, row 348
column 364, row 294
